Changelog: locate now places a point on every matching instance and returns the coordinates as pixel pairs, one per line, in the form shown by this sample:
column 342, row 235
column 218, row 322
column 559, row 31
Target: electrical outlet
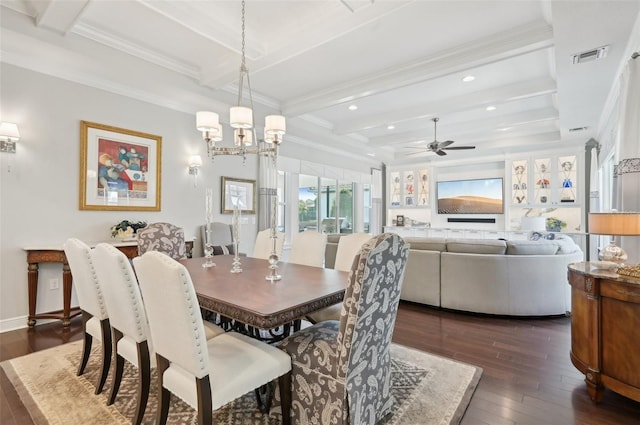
column 54, row 284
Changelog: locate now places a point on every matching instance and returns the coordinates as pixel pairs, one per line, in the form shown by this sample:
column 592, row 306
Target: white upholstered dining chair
column 95, row 319
column 308, row 248
column 205, row 374
column 262, row 246
column 128, row 320
column 348, row 248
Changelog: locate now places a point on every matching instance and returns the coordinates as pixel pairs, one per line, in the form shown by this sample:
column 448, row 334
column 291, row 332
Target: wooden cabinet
column 605, row 330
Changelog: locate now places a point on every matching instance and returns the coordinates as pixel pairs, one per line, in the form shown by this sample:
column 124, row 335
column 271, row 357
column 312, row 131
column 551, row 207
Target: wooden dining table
column 249, row 298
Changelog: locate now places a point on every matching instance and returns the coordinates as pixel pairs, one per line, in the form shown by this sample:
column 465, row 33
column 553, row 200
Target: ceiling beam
column 468, row 129
column 478, row 99
column 60, row 15
column 491, row 49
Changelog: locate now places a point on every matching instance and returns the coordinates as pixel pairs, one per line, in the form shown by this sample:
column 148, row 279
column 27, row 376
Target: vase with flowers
column 555, row 224
column 126, row 230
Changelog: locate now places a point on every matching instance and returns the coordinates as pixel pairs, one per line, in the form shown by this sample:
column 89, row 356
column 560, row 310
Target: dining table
column 248, row 297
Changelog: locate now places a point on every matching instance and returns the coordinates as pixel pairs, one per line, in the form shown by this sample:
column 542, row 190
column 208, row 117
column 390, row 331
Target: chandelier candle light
column 245, row 141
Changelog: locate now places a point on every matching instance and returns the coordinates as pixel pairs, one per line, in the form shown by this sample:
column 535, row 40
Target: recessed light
column 371, row 154
column 504, row 129
column 491, row 108
column 391, row 127
column 353, row 107
column 468, row 78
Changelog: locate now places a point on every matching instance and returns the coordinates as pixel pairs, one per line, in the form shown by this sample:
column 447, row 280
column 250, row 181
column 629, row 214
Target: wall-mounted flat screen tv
column 478, row 196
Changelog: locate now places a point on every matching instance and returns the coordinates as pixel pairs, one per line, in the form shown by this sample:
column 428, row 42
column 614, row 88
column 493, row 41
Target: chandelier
column 241, row 120
column 245, row 142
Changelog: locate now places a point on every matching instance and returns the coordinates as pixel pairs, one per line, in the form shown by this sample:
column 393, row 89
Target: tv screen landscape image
column 479, row 196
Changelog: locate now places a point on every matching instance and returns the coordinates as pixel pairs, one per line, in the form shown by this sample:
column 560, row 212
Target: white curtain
column 594, row 201
column 628, row 168
column 376, row 202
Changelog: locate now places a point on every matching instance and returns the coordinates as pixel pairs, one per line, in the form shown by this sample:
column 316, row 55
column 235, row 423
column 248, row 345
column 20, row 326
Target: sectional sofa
column 515, row 278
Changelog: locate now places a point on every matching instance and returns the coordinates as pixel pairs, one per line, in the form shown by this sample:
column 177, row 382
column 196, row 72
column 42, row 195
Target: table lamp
column 614, row 224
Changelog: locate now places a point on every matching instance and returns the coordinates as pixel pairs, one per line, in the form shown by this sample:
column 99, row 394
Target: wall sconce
column 195, row 162
column 9, row 135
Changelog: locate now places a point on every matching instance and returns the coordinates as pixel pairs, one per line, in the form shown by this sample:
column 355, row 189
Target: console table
column 605, row 330
column 55, row 254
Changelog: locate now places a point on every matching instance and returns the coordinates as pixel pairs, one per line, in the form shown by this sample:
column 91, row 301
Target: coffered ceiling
column 400, row 62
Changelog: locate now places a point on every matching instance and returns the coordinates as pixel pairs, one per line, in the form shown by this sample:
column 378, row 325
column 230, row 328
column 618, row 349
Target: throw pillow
column 224, row 250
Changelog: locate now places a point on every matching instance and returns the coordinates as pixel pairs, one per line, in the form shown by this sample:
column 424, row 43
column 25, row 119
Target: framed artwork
column 119, row 169
column 240, row 191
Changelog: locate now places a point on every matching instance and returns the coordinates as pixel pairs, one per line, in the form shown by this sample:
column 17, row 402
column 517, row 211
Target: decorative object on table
column 555, row 224
column 614, row 224
column 236, row 267
column 119, row 169
column 208, row 231
column 127, row 229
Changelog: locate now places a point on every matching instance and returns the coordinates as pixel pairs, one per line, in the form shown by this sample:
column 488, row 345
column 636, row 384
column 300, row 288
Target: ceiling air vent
column 590, row 55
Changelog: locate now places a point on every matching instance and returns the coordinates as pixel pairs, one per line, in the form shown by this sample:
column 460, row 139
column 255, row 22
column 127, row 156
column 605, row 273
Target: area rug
column 427, row 390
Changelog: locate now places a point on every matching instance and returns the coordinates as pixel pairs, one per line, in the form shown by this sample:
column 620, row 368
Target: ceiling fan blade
column 415, row 153
column 440, row 152
column 414, row 147
column 444, row 144
column 459, row 148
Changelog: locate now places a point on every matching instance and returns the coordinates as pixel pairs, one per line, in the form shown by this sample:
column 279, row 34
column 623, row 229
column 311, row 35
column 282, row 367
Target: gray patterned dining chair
column 341, row 371
column 163, row 237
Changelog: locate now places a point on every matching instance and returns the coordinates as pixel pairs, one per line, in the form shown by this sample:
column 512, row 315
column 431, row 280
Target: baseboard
column 20, row 322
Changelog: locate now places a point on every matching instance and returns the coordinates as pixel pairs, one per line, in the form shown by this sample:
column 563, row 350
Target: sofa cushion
column 427, row 244
column 476, row 246
column 566, row 244
column 541, row 247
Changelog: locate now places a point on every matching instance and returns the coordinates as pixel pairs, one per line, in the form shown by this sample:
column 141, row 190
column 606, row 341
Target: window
column 307, row 202
column 366, row 208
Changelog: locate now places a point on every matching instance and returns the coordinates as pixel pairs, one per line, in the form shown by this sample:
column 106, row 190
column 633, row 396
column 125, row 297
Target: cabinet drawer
column 621, row 291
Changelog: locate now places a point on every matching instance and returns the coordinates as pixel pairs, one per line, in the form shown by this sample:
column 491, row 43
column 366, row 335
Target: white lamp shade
column 535, row 224
column 216, row 134
column 275, row 124
column 9, row 131
column 241, row 117
column 615, row 223
column 195, row 161
column 207, row 121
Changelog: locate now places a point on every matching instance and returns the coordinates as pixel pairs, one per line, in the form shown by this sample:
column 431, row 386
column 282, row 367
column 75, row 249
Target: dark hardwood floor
column 528, row 377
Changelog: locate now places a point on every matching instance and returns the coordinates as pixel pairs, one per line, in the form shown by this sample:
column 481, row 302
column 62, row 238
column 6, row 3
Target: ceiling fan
column 439, row 147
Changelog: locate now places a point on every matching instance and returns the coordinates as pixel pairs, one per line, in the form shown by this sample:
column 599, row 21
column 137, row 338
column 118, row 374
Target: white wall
column 39, row 185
